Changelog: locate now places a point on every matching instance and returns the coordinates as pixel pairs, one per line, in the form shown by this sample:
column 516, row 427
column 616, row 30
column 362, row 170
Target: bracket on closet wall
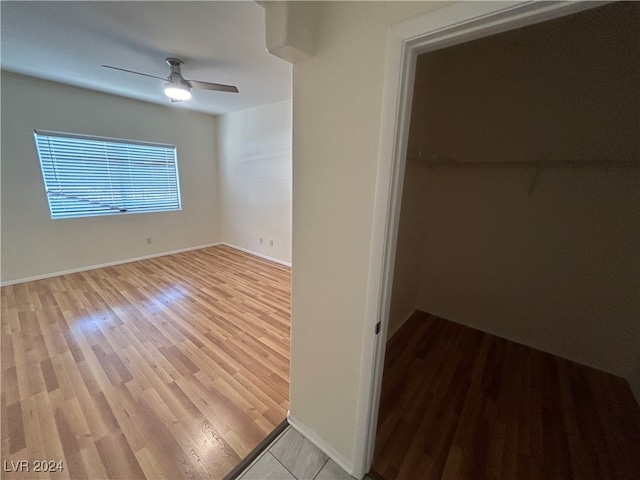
column 533, row 182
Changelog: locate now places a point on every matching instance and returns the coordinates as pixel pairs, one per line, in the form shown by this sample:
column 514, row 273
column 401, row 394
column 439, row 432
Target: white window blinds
column 87, row 176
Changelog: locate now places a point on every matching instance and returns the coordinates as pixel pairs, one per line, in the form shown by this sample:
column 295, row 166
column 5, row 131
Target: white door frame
column 452, row 25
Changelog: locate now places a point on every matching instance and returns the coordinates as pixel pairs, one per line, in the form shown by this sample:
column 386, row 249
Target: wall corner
column 289, row 29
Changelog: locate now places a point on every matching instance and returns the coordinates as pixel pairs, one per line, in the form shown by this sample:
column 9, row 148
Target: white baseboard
column 319, row 442
column 102, row 265
column 261, row 255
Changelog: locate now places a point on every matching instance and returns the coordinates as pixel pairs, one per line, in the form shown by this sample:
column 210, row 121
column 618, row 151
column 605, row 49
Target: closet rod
column 560, row 164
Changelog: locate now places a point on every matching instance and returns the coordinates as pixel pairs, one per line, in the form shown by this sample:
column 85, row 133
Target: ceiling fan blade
column 212, row 86
column 136, row 73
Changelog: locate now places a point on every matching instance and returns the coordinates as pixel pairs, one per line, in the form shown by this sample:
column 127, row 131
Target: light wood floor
column 459, row 403
column 173, row 367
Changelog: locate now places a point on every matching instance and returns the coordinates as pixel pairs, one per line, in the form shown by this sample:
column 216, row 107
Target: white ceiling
column 220, row 42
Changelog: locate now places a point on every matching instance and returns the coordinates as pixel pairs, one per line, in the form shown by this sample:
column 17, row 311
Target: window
column 87, row 176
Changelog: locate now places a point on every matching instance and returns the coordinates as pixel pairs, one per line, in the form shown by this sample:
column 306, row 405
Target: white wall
column 561, row 90
column 337, row 108
column 33, row 244
column 337, row 103
column 407, row 273
column 558, row 271
column 255, row 179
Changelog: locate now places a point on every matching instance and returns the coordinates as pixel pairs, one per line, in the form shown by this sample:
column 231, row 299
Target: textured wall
column 255, row 179
column 33, row 244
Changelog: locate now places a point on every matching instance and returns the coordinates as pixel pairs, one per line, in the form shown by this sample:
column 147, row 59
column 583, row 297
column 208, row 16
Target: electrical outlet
column 148, row 240
column 271, row 243
column 261, row 240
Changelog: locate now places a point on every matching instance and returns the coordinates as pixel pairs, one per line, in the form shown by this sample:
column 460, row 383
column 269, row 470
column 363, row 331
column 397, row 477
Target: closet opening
column 514, row 308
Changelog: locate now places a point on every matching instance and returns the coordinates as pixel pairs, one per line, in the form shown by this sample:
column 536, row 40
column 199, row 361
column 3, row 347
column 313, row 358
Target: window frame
column 121, row 163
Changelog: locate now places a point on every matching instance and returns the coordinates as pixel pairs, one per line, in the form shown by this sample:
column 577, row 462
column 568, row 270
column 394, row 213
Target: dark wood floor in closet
column 460, row 403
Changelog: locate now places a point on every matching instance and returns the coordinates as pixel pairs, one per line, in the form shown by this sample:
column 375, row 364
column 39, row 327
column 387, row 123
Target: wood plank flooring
column 459, row 403
column 173, row 367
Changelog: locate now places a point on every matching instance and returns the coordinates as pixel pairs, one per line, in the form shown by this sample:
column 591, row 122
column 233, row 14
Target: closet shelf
column 541, row 164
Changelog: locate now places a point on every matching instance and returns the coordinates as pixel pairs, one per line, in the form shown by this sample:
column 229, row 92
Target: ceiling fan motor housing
column 176, row 75
column 174, row 63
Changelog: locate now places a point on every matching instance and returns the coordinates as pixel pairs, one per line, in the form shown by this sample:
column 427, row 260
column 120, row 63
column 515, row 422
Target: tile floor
column 293, row 457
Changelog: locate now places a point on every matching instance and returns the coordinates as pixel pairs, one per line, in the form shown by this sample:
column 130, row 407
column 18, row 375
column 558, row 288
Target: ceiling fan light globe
column 176, row 91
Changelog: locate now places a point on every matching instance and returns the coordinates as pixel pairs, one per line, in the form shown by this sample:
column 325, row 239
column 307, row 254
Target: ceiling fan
column 177, row 88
